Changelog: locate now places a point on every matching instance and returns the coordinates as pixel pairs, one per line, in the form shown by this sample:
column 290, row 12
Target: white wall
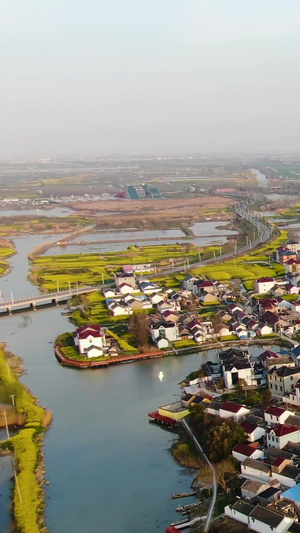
column 257, row 434
column 240, row 457
column 228, row 414
column 83, row 344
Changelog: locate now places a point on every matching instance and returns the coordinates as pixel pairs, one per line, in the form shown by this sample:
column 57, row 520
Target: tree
column 223, row 438
column 266, row 399
column 138, row 327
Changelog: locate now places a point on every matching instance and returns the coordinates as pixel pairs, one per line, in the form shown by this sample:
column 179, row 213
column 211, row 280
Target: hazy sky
column 93, row 77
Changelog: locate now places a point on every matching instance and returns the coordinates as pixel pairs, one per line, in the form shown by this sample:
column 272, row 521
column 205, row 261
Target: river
column 109, row 469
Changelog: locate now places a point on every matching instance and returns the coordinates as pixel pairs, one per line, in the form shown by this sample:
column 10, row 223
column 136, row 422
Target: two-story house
column 89, row 336
column 282, row 380
column 278, row 436
column 276, row 415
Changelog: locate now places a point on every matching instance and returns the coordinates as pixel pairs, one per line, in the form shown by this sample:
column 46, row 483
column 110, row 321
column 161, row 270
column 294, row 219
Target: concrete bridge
column 50, row 298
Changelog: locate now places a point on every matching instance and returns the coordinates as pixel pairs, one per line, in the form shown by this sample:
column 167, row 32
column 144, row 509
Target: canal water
column 109, row 469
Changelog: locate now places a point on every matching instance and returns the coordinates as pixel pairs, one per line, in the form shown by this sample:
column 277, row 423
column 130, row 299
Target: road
column 264, row 234
column 214, row 477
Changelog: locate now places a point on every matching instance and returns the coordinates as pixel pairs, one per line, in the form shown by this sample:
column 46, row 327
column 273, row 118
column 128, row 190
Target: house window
column 272, row 438
column 276, row 387
column 292, row 377
column 280, row 387
column 276, row 438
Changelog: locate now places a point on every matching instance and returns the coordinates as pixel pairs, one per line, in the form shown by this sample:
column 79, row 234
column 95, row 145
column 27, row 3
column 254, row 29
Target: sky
column 92, row 78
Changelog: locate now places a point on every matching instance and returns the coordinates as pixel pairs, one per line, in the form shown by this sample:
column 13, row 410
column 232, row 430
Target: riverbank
column 119, row 359
column 25, row 448
column 156, row 354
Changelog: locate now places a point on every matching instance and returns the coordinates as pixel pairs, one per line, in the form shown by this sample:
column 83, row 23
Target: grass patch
column 27, row 450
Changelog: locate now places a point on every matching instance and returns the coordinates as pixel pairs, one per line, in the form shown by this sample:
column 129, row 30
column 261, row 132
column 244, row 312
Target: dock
column 183, row 495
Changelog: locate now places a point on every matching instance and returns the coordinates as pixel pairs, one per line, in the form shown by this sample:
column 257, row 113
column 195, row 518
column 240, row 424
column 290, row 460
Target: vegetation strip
column 25, row 447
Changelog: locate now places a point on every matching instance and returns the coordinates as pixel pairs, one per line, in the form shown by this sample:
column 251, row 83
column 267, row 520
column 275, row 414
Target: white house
column 252, row 468
column 258, row 518
column 282, row 380
column 121, row 278
column 90, row 335
column 276, row 415
column 251, row 488
column 239, row 511
column 118, row 309
column 293, row 397
column 253, row 431
column 94, row 351
column 264, row 329
column 242, row 451
column 235, row 366
column 149, row 288
column 189, row 281
column 156, row 298
column 233, row 410
column 279, row 435
column 263, row 520
column 125, row 288
column 264, row 285
column 165, row 329
column 109, row 293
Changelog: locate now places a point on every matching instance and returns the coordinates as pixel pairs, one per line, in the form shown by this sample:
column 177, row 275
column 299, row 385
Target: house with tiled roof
column 254, row 432
column 258, row 518
column 236, row 365
column 278, row 436
column 251, row 488
column 293, row 245
column 293, row 397
column 233, row 410
column 285, row 255
column 164, row 329
column 276, row 415
column 87, row 336
column 264, row 285
column 282, row 381
column 242, row 451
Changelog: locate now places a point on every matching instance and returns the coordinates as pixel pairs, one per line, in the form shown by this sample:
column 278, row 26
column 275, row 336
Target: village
column 207, row 313
column 202, row 311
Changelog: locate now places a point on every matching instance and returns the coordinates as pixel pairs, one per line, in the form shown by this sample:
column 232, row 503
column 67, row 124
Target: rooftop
column 276, row 411
column 292, row 493
column 280, row 430
column 262, row 514
column 242, row 507
column 257, row 465
column 231, row 407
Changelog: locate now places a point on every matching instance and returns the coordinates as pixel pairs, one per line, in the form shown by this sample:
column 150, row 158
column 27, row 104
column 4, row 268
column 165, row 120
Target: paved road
column 264, row 234
column 214, row 477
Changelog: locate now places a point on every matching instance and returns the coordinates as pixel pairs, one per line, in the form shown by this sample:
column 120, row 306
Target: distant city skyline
column 94, row 78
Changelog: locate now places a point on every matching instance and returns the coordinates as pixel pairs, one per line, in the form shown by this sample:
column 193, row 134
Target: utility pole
column 8, row 371
column 6, row 425
column 12, row 399
column 214, row 255
column 220, row 250
column 102, row 278
column 188, row 262
column 199, row 257
column 69, row 286
column 57, row 285
column 12, row 298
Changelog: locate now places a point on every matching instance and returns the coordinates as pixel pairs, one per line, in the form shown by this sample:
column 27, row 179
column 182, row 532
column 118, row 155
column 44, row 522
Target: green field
column 245, row 268
column 87, row 269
